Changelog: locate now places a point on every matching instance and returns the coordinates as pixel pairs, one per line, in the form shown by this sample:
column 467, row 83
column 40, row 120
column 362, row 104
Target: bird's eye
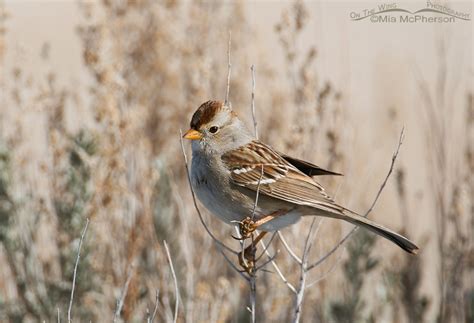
column 213, row 129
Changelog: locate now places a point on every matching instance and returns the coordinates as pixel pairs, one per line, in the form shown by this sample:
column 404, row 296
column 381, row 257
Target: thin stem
column 394, row 158
column 253, row 296
column 75, row 271
column 231, row 264
column 271, row 258
column 299, row 296
column 277, row 268
column 312, row 234
column 302, row 285
column 266, row 247
column 253, row 275
column 333, row 267
column 155, row 310
column 287, row 247
column 257, row 194
column 175, row 280
column 123, row 294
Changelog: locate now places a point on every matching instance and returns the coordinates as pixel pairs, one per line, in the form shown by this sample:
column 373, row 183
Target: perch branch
column 253, row 275
column 302, row 285
column 278, row 270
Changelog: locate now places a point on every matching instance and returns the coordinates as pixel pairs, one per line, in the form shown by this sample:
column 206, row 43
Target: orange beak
column 192, row 134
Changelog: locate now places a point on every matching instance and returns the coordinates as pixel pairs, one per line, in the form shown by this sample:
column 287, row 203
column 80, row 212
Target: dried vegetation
column 115, row 159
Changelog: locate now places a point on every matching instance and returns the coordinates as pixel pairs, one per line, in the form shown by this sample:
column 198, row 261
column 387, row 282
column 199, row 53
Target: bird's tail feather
column 359, row 220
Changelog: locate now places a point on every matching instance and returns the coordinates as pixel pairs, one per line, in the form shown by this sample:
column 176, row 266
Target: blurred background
column 94, row 94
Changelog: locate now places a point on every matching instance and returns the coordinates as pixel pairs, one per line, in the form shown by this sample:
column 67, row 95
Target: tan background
column 377, row 67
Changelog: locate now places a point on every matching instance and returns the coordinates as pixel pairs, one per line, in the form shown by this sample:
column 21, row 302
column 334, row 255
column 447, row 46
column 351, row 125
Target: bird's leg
column 246, row 229
column 247, row 226
column 247, row 257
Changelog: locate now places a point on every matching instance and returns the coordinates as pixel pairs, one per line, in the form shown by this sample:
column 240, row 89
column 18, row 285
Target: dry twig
column 155, row 309
column 288, row 249
column 175, row 280
column 277, row 268
column 302, row 285
column 75, row 270
column 121, row 300
column 347, row 236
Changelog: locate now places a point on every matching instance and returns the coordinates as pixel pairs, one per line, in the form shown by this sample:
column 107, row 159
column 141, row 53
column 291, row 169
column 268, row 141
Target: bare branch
column 155, row 310
column 302, row 285
column 75, row 270
column 252, row 68
column 310, row 238
column 269, row 260
column 290, row 251
column 123, row 294
column 257, row 193
column 265, row 247
column 279, row 272
column 233, row 266
column 334, row 249
column 394, row 158
column 253, row 296
column 229, row 67
column 333, row 267
column 175, row 280
column 253, row 275
column 241, row 241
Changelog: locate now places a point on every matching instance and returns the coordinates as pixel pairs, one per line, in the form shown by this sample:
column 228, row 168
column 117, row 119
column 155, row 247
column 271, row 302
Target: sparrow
column 229, row 166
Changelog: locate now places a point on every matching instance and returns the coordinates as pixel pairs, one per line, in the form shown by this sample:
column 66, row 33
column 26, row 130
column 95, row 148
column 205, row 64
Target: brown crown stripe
column 205, row 113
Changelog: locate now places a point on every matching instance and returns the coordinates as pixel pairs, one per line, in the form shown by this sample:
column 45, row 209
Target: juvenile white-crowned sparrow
column 229, row 166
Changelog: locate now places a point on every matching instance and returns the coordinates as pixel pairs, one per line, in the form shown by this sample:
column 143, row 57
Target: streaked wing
column 307, row 167
column 257, row 162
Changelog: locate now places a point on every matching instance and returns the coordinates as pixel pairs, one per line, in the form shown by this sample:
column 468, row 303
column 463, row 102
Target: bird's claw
column 247, row 259
column 238, row 238
column 246, row 227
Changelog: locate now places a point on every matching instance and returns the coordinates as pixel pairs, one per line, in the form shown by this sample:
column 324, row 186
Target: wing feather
column 308, row 168
column 257, row 162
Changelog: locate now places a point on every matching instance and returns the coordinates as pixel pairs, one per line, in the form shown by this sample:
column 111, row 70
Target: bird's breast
column 213, row 188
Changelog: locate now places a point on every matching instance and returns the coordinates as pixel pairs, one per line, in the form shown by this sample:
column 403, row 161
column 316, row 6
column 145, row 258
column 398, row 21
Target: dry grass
column 117, row 161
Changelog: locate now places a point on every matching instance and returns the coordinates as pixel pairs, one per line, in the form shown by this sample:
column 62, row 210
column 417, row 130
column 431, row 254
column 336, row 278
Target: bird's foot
column 247, row 259
column 246, row 228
